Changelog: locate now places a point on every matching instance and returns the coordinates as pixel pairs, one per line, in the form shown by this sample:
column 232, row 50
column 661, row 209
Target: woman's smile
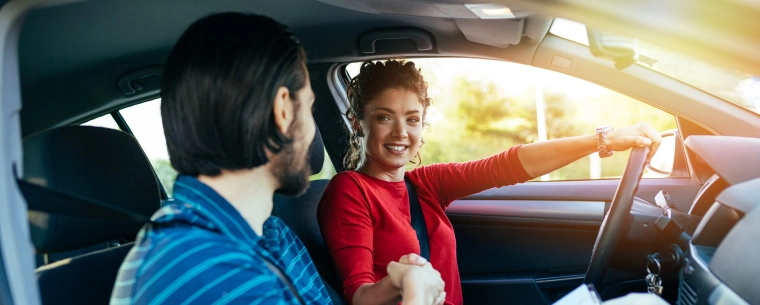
column 396, row 149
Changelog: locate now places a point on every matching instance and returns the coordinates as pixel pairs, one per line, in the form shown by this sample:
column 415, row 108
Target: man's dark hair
column 218, row 88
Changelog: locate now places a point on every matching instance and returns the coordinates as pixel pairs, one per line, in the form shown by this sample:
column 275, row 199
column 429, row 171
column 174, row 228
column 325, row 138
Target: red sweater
column 366, row 221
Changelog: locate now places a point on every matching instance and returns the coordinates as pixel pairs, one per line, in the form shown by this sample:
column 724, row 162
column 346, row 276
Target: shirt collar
column 203, row 200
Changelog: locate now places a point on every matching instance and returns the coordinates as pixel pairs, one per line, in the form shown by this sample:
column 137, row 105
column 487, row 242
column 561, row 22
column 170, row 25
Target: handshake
column 417, row 281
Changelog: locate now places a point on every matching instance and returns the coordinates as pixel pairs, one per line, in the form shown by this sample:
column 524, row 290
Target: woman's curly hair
column 373, row 79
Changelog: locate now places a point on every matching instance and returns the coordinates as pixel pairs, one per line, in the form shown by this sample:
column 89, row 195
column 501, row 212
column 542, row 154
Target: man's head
column 235, row 96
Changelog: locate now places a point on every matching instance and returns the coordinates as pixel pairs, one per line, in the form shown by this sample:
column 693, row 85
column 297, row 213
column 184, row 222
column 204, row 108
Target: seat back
column 300, row 214
column 83, row 279
column 103, row 165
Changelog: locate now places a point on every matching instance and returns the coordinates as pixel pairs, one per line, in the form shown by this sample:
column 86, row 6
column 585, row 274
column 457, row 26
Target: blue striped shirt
column 199, row 250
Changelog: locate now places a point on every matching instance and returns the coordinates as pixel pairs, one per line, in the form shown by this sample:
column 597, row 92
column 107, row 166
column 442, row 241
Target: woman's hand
column 638, row 135
column 417, row 281
column 413, row 259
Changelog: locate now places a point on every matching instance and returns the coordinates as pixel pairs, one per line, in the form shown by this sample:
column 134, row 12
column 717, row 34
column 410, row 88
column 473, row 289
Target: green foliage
column 327, row 171
column 473, row 119
column 166, row 174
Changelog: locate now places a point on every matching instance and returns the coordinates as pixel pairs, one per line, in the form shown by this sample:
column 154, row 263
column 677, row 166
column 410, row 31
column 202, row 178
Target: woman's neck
column 376, row 171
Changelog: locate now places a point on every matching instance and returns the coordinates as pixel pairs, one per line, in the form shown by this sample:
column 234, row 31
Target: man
column 236, row 108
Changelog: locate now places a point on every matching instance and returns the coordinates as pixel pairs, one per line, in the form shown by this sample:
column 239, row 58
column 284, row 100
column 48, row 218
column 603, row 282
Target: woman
column 364, row 212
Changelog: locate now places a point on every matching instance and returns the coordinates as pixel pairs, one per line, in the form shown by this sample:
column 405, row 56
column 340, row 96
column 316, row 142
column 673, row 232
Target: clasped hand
column 417, row 281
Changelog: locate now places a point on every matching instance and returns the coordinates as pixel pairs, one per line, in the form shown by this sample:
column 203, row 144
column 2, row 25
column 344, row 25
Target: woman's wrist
column 381, row 292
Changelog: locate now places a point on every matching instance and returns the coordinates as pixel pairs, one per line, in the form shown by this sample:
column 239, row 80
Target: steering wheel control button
column 601, row 141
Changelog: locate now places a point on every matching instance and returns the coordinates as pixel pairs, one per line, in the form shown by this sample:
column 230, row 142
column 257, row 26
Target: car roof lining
column 71, row 65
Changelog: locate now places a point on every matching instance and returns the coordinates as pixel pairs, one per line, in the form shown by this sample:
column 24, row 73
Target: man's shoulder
column 181, row 246
column 181, row 264
column 279, row 237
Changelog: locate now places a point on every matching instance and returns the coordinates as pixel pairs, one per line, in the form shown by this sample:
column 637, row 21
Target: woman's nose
column 399, row 130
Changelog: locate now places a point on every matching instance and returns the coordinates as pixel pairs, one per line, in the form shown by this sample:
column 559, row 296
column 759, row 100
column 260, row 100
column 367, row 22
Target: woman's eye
column 383, row 118
column 413, row 120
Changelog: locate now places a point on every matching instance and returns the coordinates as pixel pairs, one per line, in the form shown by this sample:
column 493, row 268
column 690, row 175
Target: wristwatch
column 601, row 141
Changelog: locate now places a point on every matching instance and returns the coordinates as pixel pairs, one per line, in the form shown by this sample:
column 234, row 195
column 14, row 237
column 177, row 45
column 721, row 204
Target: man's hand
column 417, row 281
column 638, row 135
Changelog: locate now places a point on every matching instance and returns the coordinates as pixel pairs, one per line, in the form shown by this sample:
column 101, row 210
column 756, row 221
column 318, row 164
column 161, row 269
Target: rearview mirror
column 662, row 161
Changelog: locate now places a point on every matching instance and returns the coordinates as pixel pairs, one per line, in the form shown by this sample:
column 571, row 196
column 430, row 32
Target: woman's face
column 392, row 126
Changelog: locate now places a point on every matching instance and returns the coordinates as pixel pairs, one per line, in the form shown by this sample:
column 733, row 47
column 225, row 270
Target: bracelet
column 601, row 141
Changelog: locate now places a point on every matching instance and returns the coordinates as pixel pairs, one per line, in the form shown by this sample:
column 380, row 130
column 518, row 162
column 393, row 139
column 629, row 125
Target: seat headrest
column 316, row 153
column 98, row 163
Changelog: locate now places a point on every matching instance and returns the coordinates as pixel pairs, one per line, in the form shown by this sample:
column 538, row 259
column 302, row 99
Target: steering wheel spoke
column 613, row 226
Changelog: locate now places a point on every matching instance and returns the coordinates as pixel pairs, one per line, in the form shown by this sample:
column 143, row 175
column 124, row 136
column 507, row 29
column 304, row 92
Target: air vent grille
column 686, row 295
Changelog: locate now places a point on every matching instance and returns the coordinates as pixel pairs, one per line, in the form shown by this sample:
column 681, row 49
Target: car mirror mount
column 620, row 49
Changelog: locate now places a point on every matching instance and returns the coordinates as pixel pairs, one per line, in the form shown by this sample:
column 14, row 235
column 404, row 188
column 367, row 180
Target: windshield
column 732, row 85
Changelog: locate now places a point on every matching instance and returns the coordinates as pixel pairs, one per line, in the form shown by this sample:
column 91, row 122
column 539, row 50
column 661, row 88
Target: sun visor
column 493, row 32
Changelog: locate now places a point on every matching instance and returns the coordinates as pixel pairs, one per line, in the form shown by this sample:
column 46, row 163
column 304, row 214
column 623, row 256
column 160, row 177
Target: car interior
column 77, row 195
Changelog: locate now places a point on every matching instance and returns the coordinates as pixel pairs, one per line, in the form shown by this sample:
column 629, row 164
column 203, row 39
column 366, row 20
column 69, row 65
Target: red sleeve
column 346, row 224
column 457, row 180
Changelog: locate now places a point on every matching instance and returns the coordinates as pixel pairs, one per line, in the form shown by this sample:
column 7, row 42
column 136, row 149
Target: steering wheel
column 613, row 226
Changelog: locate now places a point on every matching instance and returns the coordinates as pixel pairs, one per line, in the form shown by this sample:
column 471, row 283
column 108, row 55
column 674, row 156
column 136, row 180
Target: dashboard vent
column 686, row 295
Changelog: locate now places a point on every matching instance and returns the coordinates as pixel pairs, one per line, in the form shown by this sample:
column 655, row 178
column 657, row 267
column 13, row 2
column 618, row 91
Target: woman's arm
column 544, row 157
column 412, row 278
column 382, row 292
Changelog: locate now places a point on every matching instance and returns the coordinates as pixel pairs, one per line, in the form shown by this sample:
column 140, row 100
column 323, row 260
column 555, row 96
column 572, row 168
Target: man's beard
column 292, row 167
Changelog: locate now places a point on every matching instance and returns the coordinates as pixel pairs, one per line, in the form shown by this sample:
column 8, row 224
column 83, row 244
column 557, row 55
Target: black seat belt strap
column 276, row 270
column 43, row 199
column 418, row 221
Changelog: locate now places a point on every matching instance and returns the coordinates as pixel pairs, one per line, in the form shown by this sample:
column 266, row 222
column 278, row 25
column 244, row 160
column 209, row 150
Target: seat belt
column 59, row 202
column 276, row 270
column 418, row 221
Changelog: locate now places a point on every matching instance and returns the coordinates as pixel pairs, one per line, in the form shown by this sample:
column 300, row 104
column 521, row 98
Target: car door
column 531, row 243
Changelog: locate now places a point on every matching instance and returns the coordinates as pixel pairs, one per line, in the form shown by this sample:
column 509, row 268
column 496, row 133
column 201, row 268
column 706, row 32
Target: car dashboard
column 720, row 265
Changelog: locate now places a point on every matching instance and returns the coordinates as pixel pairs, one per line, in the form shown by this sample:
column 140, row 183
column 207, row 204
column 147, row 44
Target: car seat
column 95, row 164
column 300, row 214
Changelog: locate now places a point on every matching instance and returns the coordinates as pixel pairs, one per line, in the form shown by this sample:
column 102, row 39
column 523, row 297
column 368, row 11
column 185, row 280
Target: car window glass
column 328, row 170
column 106, row 121
column 482, row 107
column 735, row 86
column 144, row 120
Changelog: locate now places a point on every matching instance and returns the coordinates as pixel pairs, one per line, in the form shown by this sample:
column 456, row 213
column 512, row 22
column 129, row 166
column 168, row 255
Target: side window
column 106, row 121
column 144, row 120
column 482, row 107
column 328, row 170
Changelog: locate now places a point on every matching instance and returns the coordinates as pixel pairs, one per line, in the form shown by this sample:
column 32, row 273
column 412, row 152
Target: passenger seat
column 300, row 214
column 99, row 164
